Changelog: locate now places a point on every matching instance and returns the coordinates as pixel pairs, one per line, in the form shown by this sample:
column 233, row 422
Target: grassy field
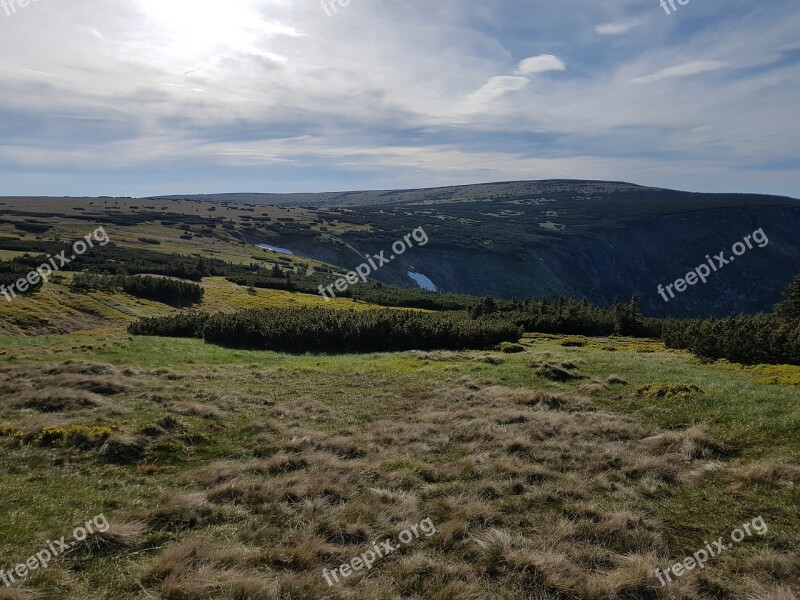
column 560, row 472
column 569, row 471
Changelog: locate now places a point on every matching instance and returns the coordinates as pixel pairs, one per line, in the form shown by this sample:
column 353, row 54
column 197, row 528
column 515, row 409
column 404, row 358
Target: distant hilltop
column 456, row 193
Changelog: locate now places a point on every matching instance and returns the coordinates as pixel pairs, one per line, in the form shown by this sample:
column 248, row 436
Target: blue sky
column 146, row 97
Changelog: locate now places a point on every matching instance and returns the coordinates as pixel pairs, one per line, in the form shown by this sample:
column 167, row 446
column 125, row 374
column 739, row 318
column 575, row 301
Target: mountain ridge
column 397, row 196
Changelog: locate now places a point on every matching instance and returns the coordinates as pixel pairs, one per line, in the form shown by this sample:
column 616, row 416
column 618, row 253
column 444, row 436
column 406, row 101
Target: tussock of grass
column 536, row 399
column 669, row 391
column 690, row 444
column 489, row 359
column 183, row 512
column 553, row 370
column 105, row 386
column 772, row 472
column 196, row 409
column 50, row 400
column 118, row 536
column 123, row 449
column 778, row 592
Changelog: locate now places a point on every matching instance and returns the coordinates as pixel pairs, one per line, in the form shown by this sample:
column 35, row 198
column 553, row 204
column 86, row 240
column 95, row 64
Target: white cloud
column 541, row 64
column 616, row 28
column 685, row 70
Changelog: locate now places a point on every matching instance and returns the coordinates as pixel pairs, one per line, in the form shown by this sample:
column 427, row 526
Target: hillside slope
column 599, row 240
column 582, row 239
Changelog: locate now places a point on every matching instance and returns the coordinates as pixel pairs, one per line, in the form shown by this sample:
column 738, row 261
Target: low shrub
column 78, row 436
column 10, row 431
column 511, row 348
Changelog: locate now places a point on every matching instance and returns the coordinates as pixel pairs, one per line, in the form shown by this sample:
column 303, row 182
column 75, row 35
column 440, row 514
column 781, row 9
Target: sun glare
column 195, row 29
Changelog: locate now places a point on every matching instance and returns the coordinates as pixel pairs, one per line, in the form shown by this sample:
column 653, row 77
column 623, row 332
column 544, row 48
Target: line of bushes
column 298, row 330
column 571, row 317
column 159, row 289
column 759, row 339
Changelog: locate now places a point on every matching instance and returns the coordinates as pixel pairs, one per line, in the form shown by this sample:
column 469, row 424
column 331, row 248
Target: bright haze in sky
column 146, row 97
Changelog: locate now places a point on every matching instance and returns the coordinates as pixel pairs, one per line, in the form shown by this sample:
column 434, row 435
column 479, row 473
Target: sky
column 151, row 97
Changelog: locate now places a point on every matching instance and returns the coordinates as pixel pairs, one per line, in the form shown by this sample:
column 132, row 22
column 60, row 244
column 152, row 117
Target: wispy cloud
column 616, row 28
column 685, row 70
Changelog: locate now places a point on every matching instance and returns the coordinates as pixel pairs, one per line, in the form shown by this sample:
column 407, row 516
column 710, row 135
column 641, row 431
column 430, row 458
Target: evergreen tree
column 790, row 307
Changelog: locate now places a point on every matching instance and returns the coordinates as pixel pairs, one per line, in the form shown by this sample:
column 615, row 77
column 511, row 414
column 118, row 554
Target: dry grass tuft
column 197, row 568
column 555, row 372
column 616, row 380
column 196, row 409
column 123, row 449
column 690, row 444
column 772, row 472
column 188, row 511
column 118, row 536
column 535, row 399
column 489, row 359
column 594, row 386
column 56, row 399
column 762, row 592
column 80, row 368
column 495, row 545
column 785, row 567
column 105, row 386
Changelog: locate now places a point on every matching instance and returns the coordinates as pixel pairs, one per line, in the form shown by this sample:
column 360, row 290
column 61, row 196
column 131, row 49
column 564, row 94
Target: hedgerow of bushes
column 759, row 339
column 298, row 330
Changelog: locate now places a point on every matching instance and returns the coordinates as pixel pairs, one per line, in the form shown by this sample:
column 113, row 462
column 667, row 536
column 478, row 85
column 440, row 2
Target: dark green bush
column 159, row 289
column 169, row 291
column 759, row 339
